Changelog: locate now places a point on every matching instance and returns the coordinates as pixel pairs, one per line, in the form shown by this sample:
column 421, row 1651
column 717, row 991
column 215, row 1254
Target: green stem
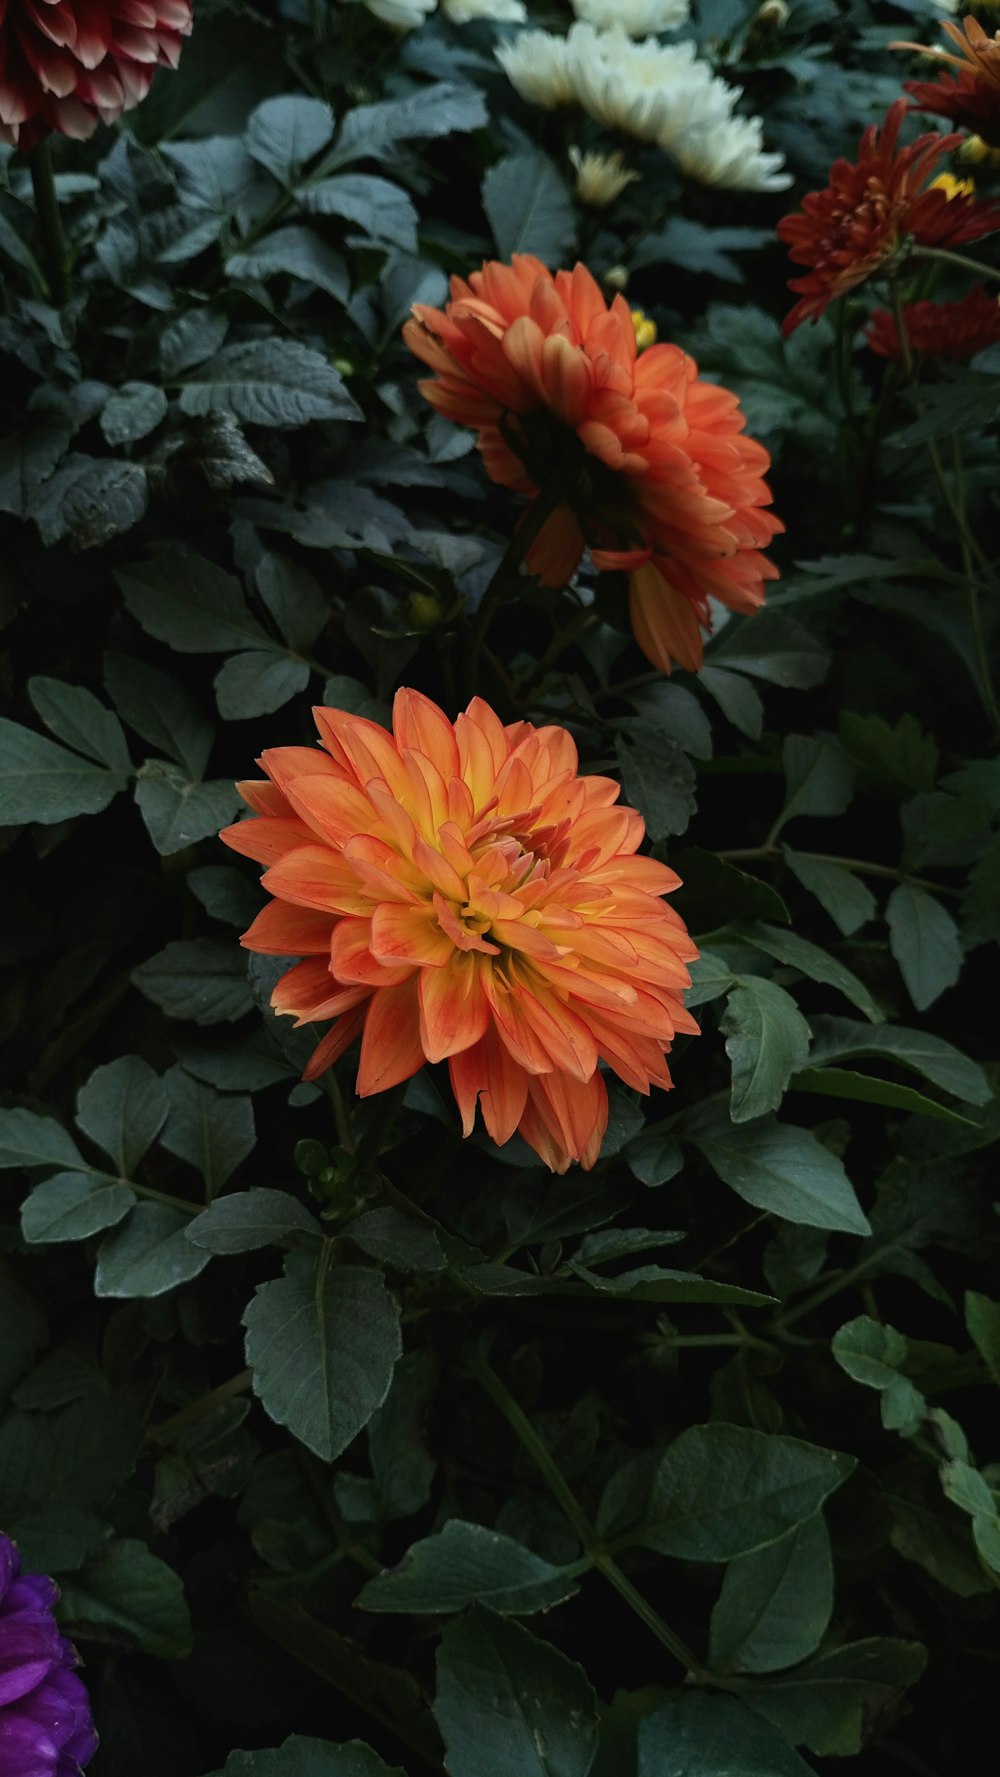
column 842, row 1281
column 200, row 1409
column 49, row 222
column 181, row 1203
column 530, row 528
column 948, row 258
column 564, row 637
column 753, row 853
column 968, row 544
column 602, row 1559
column 341, row 1116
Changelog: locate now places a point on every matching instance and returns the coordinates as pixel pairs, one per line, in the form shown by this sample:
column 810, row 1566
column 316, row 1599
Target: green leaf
column 924, row 940
column 161, row 710
column 322, row 1345
column 148, row 1255
column 838, row 1701
column 293, row 252
column 283, row 133
column 874, row 1355
column 77, row 717
column 838, row 1082
column 27, row 1139
column 739, row 702
column 132, row 412
column 89, row 500
column 696, row 1734
column 982, row 1318
column 840, row 1039
column 900, row 758
column 397, row 1239
column 656, row 1283
column 767, row 1040
column 42, row 782
column 655, row 1156
column 777, row 1167
column 816, row 964
column 58, row 1541
column 699, row 249
column 225, row 893
column 384, row 212
column 775, row 1603
column 178, row 812
column 658, row 778
column 76, row 1455
column 122, row 1108
column 135, row 1595
column 849, row 903
column 212, row 1131
column 246, row 1220
column 302, row 1757
column 721, row 1491
column 714, row 892
column 529, row 208
column 73, row 1206
column 772, row 647
column 294, row 599
column 203, row 979
column 436, row 110
column 23, row 1331
column 256, row 684
column 468, row 1564
column 186, row 601
column 268, row 382
column 190, row 339
column 969, row 1491
column 511, row 1705
column 402, row 1466
column 818, row 777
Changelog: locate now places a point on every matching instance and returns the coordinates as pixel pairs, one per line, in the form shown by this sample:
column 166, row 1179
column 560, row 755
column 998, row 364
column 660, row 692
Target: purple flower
column 46, row 1728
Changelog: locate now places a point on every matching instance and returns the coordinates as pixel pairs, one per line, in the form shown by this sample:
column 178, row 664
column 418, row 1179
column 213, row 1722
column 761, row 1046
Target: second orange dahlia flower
column 648, row 464
column 458, row 893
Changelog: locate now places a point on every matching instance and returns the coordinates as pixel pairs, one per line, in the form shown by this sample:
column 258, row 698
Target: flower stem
column 508, row 569
column 595, row 1549
column 753, row 853
column 959, row 259
column 49, row 222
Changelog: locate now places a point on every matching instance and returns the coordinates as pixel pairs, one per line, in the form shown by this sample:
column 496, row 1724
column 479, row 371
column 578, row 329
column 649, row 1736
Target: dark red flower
column 65, row 64
column 871, row 209
column 972, row 100
column 953, row 330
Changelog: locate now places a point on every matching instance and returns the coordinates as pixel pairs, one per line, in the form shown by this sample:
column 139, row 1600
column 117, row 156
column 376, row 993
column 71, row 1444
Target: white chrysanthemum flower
column 646, row 90
column 600, row 178
column 491, row 12
column 537, row 65
column 637, row 18
column 402, row 15
column 731, row 154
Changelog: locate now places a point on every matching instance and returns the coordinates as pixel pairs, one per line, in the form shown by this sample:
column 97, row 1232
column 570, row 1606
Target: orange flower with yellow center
column 645, row 464
column 459, row 893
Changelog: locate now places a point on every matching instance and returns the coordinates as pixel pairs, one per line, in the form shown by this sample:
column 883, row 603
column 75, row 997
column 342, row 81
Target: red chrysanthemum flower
column 658, row 477
column 973, row 100
column 459, row 893
column 952, row 330
column 64, row 64
column 870, row 209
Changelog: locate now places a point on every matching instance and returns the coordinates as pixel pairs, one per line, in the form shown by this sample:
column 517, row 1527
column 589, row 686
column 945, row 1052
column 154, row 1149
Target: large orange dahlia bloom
column 972, row 100
column 66, row 63
column 869, row 211
column 655, row 475
column 458, row 893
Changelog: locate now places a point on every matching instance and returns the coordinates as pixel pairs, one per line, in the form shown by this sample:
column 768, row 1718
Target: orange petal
column 390, row 1049
column 282, row 930
column 454, row 1012
column 409, row 934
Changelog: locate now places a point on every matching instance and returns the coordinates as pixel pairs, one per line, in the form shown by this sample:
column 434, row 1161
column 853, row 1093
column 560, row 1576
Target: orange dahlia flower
column 66, row 63
column 458, row 893
column 655, row 474
column 952, row 330
column 871, row 209
column 973, row 100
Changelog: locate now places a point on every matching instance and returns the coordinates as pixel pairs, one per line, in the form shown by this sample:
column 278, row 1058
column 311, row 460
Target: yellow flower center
column 645, row 329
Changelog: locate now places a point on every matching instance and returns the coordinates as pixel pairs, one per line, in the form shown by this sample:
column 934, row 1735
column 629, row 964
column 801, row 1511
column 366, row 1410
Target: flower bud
column 424, row 610
column 615, row 278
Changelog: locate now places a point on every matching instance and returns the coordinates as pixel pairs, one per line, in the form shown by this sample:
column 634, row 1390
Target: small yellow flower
column 600, row 178
column 645, row 329
column 953, row 187
column 979, row 152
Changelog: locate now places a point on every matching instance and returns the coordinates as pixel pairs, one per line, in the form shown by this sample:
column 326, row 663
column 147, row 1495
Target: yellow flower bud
column 645, row 329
